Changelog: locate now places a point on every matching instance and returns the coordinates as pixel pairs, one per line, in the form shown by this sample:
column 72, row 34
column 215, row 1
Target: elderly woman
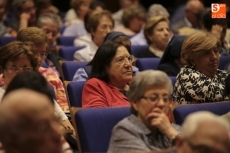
column 99, row 24
column 199, row 80
column 157, row 34
column 110, row 76
column 119, row 37
column 15, row 58
column 148, row 127
column 133, row 19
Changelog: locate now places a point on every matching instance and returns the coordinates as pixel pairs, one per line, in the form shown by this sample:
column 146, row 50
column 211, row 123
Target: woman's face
column 208, row 62
column 83, row 9
column 104, row 27
column 136, row 24
column 11, row 68
column 160, row 35
column 52, row 33
column 156, row 98
column 120, row 69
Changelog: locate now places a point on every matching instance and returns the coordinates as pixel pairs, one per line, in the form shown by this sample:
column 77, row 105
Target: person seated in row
column 28, row 123
column 78, row 29
column 154, row 10
column 110, row 76
column 99, row 24
column 15, row 58
column 197, row 136
column 51, row 24
column 81, row 7
column 147, row 128
column 170, row 62
column 199, row 79
column 157, row 34
column 38, row 38
column 133, row 19
column 25, row 12
column 83, row 73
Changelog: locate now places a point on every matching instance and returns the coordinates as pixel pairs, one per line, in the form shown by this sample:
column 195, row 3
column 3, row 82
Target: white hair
column 157, row 10
column 193, row 120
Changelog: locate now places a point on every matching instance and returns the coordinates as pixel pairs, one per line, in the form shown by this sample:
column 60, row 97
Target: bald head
column 194, row 4
column 25, row 114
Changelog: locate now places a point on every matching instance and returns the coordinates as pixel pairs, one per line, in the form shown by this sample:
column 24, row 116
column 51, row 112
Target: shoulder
column 47, row 71
column 95, row 81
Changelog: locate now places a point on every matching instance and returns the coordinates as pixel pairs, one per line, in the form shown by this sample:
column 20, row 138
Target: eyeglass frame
column 18, row 69
column 123, row 60
column 148, row 98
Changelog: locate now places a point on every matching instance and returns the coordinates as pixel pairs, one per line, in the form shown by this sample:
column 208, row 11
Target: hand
column 25, row 16
column 217, row 30
column 160, row 120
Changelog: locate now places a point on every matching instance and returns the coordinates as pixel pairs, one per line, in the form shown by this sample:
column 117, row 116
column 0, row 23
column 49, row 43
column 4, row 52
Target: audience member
column 33, row 126
column 51, row 24
column 38, row 38
column 218, row 27
column 110, row 76
column 199, row 79
column 192, row 9
column 123, row 4
column 171, row 60
column 99, row 24
column 79, row 30
column 15, row 58
column 156, row 32
column 119, row 37
column 81, row 8
column 154, row 10
column 3, row 29
column 25, row 16
column 197, row 136
column 148, row 127
column 133, row 20
column 45, row 6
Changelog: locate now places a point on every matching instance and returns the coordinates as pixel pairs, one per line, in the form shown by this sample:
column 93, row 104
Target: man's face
column 209, row 137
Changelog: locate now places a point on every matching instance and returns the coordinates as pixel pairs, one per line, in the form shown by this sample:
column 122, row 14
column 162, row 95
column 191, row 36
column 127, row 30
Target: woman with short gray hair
column 148, row 127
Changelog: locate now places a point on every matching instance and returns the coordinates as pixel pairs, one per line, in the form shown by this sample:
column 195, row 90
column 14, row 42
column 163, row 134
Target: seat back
column 67, row 52
column 173, row 79
column 69, row 68
column 6, row 40
column 136, row 49
column 94, row 126
column 147, row 63
column 74, row 90
column 224, row 61
column 65, row 41
column 181, row 112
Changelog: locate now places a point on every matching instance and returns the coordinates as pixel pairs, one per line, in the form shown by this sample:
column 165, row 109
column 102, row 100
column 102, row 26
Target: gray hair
column 193, row 120
column 146, row 79
column 17, row 4
column 157, row 10
column 49, row 18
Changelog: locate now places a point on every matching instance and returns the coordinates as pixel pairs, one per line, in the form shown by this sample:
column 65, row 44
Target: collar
column 187, row 22
column 133, row 119
column 155, row 51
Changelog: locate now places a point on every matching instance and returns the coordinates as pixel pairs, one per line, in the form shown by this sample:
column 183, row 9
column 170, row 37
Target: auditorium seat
column 67, row 52
column 65, row 41
column 147, row 63
column 136, row 49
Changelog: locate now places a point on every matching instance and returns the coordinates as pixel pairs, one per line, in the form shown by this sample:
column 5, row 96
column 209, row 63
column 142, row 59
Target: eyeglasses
column 156, row 98
column 122, row 59
column 42, row 54
column 202, row 148
column 18, row 69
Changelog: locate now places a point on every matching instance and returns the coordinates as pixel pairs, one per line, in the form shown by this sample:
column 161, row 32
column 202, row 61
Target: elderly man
column 192, row 9
column 203, row 132
column 28, row 125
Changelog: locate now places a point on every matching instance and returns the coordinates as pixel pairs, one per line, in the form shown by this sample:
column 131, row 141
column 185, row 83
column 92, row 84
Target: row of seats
column 94, row 125
column 70, row 67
